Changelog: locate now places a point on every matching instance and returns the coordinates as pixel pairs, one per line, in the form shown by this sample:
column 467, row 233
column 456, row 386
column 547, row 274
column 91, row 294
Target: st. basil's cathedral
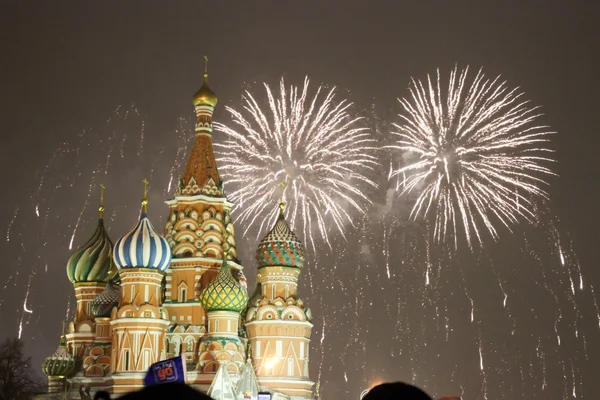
column 149, row 298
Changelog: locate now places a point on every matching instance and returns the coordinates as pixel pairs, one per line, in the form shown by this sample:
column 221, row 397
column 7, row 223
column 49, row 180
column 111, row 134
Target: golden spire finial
column 145, row 199
column 101, row 207
column 205, row 68
column 282, row 184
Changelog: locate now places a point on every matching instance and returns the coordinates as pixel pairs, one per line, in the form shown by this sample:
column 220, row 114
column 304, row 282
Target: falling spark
column 468, row 150
column 12, row 221
column 309, row 143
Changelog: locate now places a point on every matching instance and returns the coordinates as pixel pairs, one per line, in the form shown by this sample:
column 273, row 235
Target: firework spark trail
column 183, row 139
column 595, row 305
column 25, row 309
column 73, row 165
column 83, row 208
column 312, row 144
column 474, row 155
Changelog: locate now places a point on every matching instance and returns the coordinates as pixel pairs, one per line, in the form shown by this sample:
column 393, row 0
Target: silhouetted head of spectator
column 102, row 395
column 396, row 391
column 179, row 391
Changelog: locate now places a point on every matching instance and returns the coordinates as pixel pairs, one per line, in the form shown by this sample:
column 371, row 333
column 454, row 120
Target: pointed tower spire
column 221, row 387
column 201, row 175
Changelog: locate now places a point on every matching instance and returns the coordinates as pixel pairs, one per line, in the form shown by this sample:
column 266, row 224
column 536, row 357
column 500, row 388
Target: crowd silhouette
column 181, row 391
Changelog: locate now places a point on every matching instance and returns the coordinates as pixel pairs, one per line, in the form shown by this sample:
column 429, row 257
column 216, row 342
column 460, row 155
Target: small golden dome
column 205, row 96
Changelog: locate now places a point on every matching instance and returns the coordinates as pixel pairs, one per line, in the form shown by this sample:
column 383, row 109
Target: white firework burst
column 305, row 149
column 474, row 155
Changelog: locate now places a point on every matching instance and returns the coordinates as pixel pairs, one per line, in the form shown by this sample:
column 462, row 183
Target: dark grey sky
column 66, row 65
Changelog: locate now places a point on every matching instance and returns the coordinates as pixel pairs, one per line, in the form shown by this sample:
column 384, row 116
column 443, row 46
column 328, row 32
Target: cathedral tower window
column 290, row 366
column 126, row 360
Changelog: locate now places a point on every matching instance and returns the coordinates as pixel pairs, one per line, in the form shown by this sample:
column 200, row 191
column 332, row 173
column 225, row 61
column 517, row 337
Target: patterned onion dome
column 281, row 247
column 142, row 247
column 59, row 363
column 91, row 263
column 103, row 304
column 224, row 293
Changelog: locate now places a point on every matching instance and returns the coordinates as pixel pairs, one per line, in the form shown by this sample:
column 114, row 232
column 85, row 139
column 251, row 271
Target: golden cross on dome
column 101, row 207
column 205, row 68
column 283, row 185
column 145, row 200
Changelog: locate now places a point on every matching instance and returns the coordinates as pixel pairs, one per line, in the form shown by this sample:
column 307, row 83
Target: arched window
column 273, row 290
column 182, row 295
column 290, row 366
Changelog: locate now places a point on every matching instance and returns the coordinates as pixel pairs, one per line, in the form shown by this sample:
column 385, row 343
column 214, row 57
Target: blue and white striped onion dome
column 142, row 247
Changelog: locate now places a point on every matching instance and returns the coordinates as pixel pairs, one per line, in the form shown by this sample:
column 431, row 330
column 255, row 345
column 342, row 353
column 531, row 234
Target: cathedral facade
column 151, row 297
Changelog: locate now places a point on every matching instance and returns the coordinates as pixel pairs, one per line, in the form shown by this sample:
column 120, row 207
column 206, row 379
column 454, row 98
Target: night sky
column 101, row 92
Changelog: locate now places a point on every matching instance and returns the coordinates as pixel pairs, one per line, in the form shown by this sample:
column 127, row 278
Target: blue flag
column 171, row 370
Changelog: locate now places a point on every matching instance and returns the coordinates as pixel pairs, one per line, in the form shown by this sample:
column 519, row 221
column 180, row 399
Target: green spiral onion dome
column 103, row 304
column 224, row 293
column 60, row 363
column 280, row 247
column 92, row 262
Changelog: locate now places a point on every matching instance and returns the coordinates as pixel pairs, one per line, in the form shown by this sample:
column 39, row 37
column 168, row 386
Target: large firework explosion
column 307, row 149
column 475, row 155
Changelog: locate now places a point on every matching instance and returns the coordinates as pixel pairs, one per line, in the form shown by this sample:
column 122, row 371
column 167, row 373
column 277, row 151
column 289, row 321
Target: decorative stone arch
column 94, row 370
column 84, row 326
column 293, row 313
column 279, row 302
column 232, row 368
column 212, row 237
column 128, row 311
column 223, row 356
column 213, row 250
column 186, row 224
column 212, row 225
column 148, row 308
column 268, row 312
column 185, row 237
column 183, row 248
column 230, row 346
column 211, row 367
column 215, row 346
